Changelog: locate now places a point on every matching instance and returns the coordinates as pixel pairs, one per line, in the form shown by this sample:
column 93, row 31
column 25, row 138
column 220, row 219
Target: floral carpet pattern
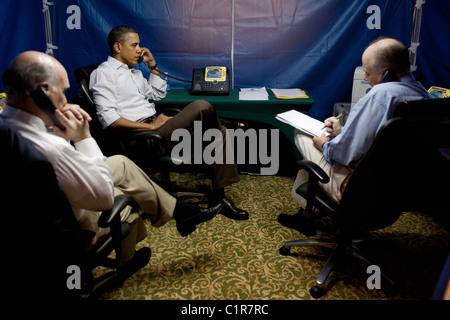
column 226, row 259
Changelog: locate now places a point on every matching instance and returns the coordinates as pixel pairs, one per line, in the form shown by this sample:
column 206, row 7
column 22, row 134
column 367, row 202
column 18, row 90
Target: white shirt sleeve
column 83, row 175
column 121, row 92
column 103, row 87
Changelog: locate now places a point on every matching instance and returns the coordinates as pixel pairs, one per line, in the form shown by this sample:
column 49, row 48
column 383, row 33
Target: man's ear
column 45, row 86
column 117, row 47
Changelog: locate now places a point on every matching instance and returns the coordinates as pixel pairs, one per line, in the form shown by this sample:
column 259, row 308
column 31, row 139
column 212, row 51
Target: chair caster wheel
column 285, row 251
column 316, row 292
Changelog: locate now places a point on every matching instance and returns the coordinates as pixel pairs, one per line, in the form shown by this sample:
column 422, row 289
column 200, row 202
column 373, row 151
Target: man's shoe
column 229, row 210
column 140, row 260
column 234, row 124
column 298, row 222
column 187, row 226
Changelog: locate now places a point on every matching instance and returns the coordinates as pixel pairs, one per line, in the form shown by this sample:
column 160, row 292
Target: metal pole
column 417, row 17
column 48, row 28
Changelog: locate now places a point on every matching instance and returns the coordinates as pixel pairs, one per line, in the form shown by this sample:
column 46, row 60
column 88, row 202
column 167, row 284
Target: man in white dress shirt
column 121, row 95
column 89, row 180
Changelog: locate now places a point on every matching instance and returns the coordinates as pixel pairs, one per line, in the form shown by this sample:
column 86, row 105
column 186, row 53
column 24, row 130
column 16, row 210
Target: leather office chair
column 139, row 146
column 110, row 141
column 407, row 168
column 41, row 237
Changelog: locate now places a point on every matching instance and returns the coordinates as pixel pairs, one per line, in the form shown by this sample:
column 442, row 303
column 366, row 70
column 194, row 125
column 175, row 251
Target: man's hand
column 333, row 126
column 76, row 121
column 319, row 141
column 151, row 62
column 148, row 57
column 160, row 120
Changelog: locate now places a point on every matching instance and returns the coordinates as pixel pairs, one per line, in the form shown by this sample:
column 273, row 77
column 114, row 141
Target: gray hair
column 394, row 55
column 21, row 81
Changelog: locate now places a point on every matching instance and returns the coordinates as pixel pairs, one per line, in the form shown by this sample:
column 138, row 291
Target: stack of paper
column 303, row 122
column 289, row 94
column 253, row 94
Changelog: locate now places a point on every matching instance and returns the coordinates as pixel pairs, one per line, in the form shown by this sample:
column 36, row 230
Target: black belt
column 149, row 119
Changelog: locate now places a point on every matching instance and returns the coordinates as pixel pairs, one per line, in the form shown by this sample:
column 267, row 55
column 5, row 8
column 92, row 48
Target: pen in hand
column 340, row 115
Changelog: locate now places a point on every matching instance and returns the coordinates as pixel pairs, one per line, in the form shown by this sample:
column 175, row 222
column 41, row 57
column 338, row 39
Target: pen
column 340, row 115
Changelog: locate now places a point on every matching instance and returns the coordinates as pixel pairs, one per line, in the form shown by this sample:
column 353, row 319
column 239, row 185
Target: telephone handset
column 211, row 81
column 42, row 100
column 389, row 76
column 140, row 59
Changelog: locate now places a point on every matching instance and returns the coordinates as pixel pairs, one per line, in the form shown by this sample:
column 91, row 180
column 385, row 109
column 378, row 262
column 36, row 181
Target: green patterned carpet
column 239, row 260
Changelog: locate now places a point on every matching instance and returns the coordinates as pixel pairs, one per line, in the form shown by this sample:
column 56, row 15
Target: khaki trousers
column 152, row 199
column 338, row 176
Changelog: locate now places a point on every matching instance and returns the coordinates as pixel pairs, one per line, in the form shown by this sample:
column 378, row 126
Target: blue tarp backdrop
column 314, row 45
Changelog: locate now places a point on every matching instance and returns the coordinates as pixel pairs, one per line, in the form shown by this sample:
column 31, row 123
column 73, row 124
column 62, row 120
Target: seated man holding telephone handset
column 386, row 68
column 35, row 84
column 121, row 95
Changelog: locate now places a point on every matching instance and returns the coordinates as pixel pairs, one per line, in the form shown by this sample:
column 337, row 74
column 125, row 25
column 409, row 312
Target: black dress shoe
column 229, row 210
column 140, row 260
column 298, row 222
column 187, row 226
column 234, row 124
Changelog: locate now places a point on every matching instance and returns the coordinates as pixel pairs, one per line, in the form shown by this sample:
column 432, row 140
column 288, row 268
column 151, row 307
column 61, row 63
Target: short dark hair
column 118, row 34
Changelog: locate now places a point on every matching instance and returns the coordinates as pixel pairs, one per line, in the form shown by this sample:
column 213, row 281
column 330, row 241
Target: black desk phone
column 211, row 81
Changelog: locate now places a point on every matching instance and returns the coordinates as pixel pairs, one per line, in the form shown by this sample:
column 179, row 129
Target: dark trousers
column 201, row 110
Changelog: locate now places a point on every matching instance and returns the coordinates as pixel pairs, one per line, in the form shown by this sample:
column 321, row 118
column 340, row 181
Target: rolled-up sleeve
column 123, row 92
column 156, row 88
column 103, row 88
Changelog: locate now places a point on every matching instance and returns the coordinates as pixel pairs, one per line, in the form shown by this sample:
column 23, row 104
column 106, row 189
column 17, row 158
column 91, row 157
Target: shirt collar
column 116, row 64
column 407, row 78
column 23, row 117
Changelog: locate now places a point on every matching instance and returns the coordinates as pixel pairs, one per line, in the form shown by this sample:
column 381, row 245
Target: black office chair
column 141, row 147
column 110, row 141
column 405, row 169
column 41, row 238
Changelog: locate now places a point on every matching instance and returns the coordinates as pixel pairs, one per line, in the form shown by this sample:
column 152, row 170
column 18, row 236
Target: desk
column 259, row 114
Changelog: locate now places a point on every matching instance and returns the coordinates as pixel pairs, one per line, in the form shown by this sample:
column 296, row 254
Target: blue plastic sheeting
column 21, row 30
column 433, row 58
column 314, row 45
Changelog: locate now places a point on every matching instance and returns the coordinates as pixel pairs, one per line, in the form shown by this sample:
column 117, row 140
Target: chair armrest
column 314, row 170
column 143, row 135
column 127, row 136
column 108, row 217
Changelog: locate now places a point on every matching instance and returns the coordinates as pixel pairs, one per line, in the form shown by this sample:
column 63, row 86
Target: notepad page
column 303, row 122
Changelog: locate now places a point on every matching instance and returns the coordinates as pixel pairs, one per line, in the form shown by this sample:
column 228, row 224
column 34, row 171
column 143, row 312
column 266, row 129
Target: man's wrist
column 152, row 66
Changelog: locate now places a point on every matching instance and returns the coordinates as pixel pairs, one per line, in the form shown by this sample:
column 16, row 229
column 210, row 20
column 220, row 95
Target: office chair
column 41, row 238
column 138, row 146
column 406, row 168
column 112, row 142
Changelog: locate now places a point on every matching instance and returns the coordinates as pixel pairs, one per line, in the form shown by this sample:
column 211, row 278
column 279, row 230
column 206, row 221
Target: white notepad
column 303, row 122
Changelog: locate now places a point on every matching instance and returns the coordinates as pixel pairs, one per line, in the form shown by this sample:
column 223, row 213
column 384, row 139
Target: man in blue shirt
column 386, row 68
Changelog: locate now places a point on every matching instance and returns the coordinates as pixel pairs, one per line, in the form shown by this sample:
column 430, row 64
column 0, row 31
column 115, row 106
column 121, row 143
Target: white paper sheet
column 303, row 122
